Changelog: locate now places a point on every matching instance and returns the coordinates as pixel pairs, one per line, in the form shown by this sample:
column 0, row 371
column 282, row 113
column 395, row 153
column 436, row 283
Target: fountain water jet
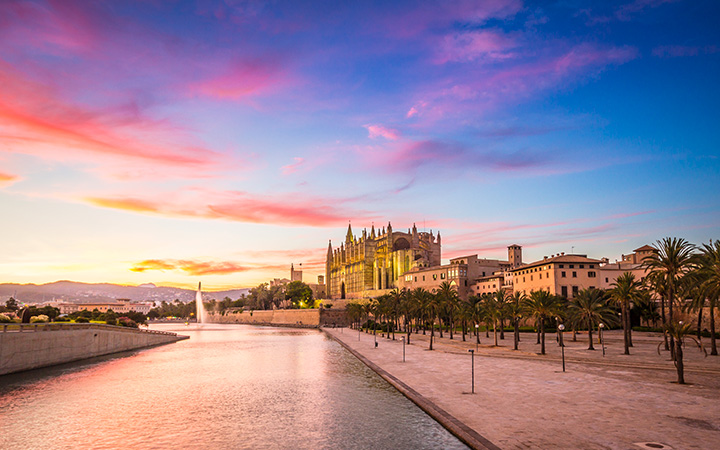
column 199, row 307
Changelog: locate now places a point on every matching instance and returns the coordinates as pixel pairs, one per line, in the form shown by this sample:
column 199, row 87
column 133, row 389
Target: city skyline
column 223, row 141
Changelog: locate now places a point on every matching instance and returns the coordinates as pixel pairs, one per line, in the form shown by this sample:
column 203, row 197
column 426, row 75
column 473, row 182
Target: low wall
column 40, row 345
column 307, row 318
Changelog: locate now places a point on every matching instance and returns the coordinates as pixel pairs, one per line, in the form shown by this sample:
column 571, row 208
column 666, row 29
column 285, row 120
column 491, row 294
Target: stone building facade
column 371, row 265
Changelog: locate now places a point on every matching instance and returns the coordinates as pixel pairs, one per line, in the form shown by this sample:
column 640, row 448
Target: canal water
column 227, row 387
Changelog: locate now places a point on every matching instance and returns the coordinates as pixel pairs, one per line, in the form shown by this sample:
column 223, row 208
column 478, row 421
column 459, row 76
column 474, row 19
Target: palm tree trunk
column 440, row 322
column 625, row 328
column 477, row 335
column 699, row 325
column 452, row 325
column 432, row 332
column 516, row 333
column 502, row 329
column 539, row 325
column 662, row 315
column 495, row 334
column 464, row 328
column 629, row 326
column 487, row 329
column 590, row 340
column 679, row 362
column 713, row 343
column 574, row 330
column 542, row 332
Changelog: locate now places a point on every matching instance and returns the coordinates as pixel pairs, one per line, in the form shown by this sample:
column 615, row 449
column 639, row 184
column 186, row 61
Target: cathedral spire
column 349, row 235
column 372, row 232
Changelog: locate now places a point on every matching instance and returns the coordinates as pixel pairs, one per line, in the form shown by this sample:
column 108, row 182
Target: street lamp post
column 472, row 361
column 477, row 336
column 403, row 339
column 601, row 326
column 561, row 327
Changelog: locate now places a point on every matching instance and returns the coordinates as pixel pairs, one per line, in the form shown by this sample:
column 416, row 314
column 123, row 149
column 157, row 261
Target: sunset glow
column 172, row 142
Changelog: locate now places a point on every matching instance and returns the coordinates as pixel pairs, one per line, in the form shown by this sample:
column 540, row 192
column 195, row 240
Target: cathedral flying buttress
column 372, row 264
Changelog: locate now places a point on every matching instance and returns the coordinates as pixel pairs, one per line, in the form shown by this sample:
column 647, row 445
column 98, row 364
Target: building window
column 523, row 279
column 562, row 266
column 582, row 266
column 572, row 266
column 574, row 274
column 591, row 274
column 562, row 274
column 423, row 277
column 575, row 291
column 434, row 276
column 563, row 291
column 415, row 278
column 442, row 276
column 483, row 273
column 606, row 280
column 592, row 266
column 531, row 277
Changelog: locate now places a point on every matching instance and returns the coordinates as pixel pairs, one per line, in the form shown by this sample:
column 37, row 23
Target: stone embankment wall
column 33, row 346
column 307, row 318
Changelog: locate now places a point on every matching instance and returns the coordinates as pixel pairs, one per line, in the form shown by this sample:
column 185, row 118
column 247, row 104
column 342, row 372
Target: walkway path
column 523, row 400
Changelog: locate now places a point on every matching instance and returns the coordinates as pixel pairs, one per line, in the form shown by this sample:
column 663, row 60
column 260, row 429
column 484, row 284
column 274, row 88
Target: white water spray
column 199, row 307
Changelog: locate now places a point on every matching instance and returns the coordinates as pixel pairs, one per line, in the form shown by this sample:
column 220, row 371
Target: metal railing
column 57, row 326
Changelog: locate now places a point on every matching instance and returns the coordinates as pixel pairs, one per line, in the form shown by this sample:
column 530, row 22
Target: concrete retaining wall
column 33, row 346
column 310, row 318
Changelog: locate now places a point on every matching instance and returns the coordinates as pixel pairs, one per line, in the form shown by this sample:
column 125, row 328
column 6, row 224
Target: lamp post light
column 477, row 336
column 403, row 339
column 601, row 326
column 561, row 327
column 472, row 362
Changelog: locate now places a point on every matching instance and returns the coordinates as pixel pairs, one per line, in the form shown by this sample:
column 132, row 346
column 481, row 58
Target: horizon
column 222, row 143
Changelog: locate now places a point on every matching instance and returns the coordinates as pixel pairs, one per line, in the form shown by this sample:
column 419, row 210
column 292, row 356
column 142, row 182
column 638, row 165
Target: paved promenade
column 523, row 400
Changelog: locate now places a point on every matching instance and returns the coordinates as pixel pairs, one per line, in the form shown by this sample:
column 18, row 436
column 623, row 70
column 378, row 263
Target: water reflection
column 228, row 386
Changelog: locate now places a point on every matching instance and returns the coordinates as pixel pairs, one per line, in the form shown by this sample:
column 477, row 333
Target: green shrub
column 82, row 320
column 5, row 319
column 111, row 321
column 62, row 319
column 42, row 318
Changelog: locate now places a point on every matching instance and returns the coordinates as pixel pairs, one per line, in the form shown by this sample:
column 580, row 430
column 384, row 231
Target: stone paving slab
column 531, row 403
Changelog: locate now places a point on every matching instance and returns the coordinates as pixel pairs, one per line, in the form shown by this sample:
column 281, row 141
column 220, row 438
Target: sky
column 220, row 141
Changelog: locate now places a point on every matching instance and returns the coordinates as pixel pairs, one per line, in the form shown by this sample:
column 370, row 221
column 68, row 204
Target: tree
column 298, row 293
column 12, row 304
column 542, row 305
column 708, row 271
column 667, row 266
column 590, row 306
column 516, row 311
column 448, row 298
column 679, row 332
column 626, row 289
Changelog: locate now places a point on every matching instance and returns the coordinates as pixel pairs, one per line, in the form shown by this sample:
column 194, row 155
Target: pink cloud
column 245, row 78
column 292, row 168
column 190, row 267
column 375, row 131
column 483, row 89
column 38, row 121
column 287, row 209
column 8, row 179
column 475, row 45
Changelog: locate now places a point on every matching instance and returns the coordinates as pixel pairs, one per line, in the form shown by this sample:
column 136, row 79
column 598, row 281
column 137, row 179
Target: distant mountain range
column 74, row 292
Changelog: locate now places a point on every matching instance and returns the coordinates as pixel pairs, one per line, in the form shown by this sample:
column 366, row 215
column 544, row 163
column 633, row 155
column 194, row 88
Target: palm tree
column 709, row 279
column 448, row 298
column 477, row 313
column 422, row 299
column 667, row 266
column 626, row 289
column 434, row 307
column 679, row 332
column 501, row 300
column 590, row 306
column 516, row 311
column 542, row 305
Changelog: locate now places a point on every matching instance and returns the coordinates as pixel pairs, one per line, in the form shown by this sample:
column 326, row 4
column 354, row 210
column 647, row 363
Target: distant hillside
column 75, row 292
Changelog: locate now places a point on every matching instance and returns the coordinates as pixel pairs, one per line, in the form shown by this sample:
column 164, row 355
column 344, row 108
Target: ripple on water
column 229, row 386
